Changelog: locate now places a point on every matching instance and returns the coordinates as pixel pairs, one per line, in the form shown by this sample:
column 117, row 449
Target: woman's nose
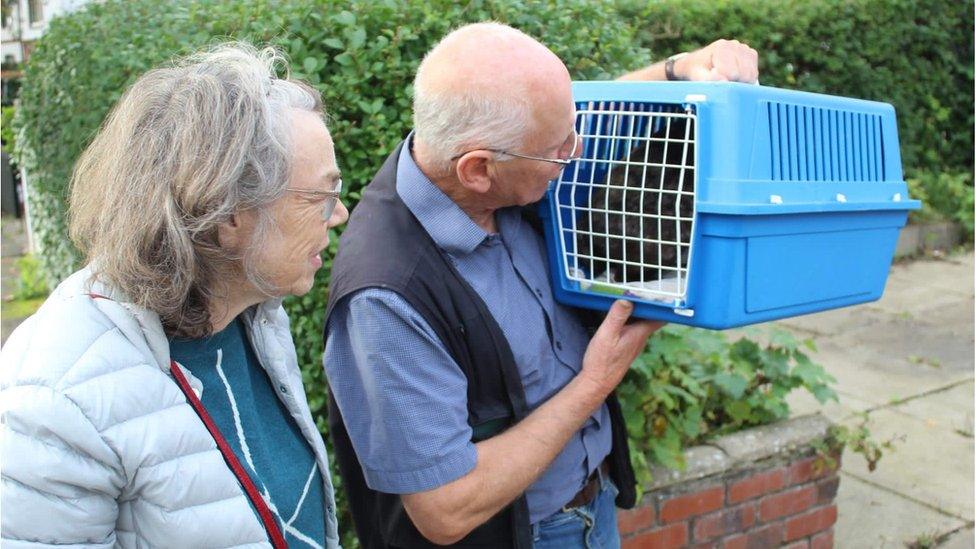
column 339, row 216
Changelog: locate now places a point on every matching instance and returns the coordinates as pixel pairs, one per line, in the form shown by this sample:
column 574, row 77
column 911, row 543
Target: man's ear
column 472, row 171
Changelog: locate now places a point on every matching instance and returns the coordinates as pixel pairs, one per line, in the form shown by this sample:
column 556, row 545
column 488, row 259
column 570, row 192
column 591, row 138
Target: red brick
column 757, row 485
column 665, row 537
column 827, row 489
column 811, row 522
column 823, row 540
column 770, row 535
column 811, row 468
column 735, row 542
column 633, row 520
column 802, row 544
column 726, row 521
column 787, row 503
column 689, row 505
column 706, row 545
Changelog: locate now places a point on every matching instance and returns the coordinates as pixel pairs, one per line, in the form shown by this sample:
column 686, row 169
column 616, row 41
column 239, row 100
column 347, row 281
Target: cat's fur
column 643, row 184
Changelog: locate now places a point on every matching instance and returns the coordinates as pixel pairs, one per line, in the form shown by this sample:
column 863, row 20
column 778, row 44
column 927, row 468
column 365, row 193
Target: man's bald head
column 485, row 85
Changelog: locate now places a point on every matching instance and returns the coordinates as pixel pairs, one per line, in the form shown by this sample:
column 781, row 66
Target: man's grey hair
column 452, row 122
column 186, row 147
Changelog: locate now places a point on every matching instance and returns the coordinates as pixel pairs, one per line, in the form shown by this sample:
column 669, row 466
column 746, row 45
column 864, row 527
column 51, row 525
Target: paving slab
column 837, row 321
column 951, row 408
column 931, row 463
column 963, row 539
column 867, row 376
column 12, row 246
column 801, row 402
column 900, row 339
column 903, row 296
column 869, row 517
column 950, row 273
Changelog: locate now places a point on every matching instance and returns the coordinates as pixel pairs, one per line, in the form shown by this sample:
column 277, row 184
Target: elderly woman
column 155, row 398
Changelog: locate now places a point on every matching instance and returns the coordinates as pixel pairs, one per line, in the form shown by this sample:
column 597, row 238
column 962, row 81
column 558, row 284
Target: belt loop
column 604, row 471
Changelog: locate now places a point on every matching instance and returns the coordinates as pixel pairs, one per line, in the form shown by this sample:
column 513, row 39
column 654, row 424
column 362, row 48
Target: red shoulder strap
column 270, row 525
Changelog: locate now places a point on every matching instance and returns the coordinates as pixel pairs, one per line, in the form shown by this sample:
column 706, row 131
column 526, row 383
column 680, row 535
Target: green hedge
column 915, row 54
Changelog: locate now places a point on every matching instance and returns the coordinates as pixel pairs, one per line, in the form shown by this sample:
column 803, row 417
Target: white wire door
column 626, row 208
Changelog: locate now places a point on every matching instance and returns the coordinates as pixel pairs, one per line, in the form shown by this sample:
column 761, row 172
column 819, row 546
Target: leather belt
column 591, row 488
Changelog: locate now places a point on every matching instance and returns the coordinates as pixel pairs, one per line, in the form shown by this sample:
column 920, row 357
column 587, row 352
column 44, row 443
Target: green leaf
column 345, row 18
column 808, row 372
column 739, row 410
column 823, row 393
column 334, row 43
column 733, row 385
column 310, row 64
column 357, row 38
column 782, row 338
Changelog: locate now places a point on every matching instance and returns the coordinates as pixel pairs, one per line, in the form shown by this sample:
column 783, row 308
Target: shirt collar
column 451, row 228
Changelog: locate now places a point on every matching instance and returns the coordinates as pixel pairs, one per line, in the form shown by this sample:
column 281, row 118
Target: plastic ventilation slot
column 817, row 144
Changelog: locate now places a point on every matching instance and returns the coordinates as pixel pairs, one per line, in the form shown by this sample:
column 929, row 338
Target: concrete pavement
column 13, row 244
column 907, row 362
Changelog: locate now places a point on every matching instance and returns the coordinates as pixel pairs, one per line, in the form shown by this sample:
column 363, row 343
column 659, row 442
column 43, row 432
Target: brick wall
column 776, row 502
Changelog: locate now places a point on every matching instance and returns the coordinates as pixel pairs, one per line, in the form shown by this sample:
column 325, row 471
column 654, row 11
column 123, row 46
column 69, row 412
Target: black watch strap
column 669, row 66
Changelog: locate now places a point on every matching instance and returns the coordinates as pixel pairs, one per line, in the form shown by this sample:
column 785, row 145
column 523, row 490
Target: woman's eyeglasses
column 331, row 198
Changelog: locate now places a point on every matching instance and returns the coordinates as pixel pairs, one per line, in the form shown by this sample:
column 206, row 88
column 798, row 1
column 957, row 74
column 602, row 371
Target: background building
column 24, row 21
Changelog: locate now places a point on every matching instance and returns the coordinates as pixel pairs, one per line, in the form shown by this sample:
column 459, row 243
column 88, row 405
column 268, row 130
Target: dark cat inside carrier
column 638, row 224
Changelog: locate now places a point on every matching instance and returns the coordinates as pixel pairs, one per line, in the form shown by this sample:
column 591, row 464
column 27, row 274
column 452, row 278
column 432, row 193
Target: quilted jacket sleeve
column 61, row 481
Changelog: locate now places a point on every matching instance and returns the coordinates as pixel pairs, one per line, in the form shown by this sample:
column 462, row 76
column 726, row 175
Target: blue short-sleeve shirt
column 404, row 399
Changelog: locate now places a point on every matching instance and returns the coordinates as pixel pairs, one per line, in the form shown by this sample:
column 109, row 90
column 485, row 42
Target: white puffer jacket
column 100, row 447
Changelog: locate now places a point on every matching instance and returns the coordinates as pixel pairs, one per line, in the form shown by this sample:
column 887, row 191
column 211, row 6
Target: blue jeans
column 591, row 526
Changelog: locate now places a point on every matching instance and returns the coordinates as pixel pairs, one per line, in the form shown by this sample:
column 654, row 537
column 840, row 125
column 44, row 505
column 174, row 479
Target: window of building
column 35, row 11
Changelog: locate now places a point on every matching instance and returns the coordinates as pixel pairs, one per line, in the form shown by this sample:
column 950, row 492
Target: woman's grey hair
column 187, row 146
column 455, row 121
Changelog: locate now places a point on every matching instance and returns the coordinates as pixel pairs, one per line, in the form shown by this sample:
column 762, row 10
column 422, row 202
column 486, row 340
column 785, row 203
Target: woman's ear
column 233, row 233
column 473, row 171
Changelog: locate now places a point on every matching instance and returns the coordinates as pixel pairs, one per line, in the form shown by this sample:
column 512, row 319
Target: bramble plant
column 691, row 384
column 856, row 437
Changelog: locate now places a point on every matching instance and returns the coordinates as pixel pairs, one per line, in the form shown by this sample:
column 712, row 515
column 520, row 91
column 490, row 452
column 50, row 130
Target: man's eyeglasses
column 561, row 161
column 331, row 198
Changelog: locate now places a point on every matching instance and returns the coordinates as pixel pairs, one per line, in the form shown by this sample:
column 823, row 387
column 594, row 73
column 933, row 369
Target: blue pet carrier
column 719, row 205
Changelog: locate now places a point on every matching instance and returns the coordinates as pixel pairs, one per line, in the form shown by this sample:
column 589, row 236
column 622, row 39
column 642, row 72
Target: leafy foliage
column 944, row 196
column 691, row 384
column 30, row 282
column 858, row 438
column 6, row 129
column 918, row 56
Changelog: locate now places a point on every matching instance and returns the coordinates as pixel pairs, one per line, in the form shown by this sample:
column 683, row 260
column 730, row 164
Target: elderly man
column 475, row 410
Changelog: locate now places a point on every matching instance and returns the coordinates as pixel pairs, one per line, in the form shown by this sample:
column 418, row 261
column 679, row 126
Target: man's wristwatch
column 669, row 66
